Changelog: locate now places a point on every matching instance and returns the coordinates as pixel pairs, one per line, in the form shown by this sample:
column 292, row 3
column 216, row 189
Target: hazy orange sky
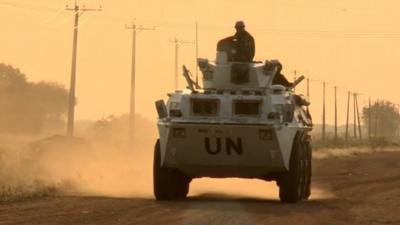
column 351, row 43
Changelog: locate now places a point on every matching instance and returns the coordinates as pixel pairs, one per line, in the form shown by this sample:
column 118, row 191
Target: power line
column 29, row 7
column 52, row 17
column 311, row 33
column 272, row 31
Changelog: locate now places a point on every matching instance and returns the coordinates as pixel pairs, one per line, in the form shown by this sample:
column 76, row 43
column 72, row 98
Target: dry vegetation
column 15, row 181
column 98, row 163
column 352, row 151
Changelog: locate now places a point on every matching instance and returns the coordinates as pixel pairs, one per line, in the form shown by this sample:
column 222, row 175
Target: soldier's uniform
column 280, row 78
column 244, row 44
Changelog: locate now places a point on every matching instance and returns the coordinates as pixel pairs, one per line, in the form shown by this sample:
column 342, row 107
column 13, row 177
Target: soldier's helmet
column 239, row 24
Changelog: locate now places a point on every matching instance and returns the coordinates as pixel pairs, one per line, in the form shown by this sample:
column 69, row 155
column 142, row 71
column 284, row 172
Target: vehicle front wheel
column 168, row 184
column 294, row 186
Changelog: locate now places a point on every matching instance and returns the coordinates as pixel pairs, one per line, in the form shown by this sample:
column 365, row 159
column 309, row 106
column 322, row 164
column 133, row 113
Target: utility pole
column 398, row 120
column 323, row 114
column 354, row 116
column 369, row 119
column 178, row 44
column 308, row 89
column 336, row 136
column 79, row 11
column 135, row 31
column 197, row 52
column 347, row 118
column 358, row 118
column 377, row 108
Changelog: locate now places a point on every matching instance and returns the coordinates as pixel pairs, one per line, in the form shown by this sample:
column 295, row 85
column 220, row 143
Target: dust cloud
column 345, row 152
column 99, row 163
column 236, row 188
column 104, row 165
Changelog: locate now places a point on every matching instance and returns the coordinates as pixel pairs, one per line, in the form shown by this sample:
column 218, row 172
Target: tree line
column 29, row 107
column 382, row 120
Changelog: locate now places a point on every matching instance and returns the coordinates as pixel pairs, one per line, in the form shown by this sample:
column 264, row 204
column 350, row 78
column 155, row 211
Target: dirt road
column 362, row 189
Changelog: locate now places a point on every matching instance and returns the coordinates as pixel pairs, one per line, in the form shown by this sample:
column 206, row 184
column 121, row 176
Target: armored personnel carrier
column 239, row 124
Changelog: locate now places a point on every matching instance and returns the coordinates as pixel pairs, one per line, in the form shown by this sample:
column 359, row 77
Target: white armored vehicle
column 239, row 124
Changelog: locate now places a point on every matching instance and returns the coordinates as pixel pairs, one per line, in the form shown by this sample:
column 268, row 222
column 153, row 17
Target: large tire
column 294, row 186
column 308, row 150
column 168, row 183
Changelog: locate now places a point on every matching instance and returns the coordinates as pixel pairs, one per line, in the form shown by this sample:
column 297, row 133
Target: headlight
column 175, row 113
column 274, row 116
column 174, row 106
column 174, row 109
column 179, row 132
column 265, row 134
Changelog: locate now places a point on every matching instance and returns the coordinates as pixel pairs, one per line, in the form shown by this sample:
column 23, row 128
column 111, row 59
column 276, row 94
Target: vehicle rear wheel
column 168, row 183
column 294, row 186
column 308, row 151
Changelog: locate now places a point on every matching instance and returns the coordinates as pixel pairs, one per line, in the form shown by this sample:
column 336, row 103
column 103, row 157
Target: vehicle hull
column 226, row 150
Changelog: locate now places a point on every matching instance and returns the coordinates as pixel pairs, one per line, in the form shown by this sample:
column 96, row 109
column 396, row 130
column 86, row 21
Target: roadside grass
column 14, row 186
column 15, row 192
column 324, row 153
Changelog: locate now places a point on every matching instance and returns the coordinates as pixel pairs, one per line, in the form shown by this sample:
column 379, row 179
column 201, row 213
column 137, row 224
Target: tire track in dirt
column 361, row 189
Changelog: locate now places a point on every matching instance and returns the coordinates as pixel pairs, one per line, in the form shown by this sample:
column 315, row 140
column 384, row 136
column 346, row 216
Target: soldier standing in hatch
column 244, row 43
column 280, row 78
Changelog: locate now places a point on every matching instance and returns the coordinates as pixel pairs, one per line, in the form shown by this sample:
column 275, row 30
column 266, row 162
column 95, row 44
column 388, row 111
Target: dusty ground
column 359, row 189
